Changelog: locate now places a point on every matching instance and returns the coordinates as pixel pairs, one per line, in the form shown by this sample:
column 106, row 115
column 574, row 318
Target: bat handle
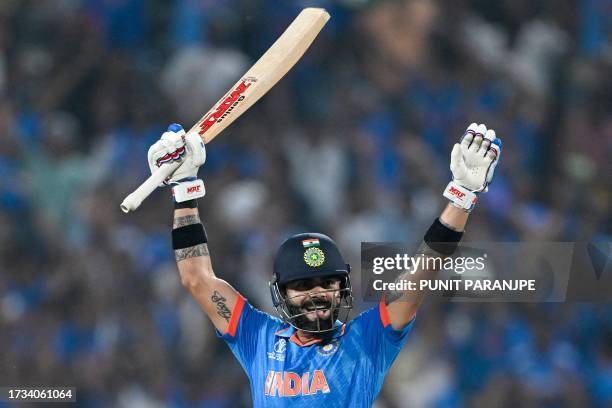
column 133, row 201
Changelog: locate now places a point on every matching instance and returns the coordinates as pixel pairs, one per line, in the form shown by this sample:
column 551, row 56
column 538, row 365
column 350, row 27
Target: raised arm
column 216, row 297
column 473, row 162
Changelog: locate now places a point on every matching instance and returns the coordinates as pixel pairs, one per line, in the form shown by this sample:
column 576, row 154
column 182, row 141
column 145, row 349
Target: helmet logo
column 314, row 257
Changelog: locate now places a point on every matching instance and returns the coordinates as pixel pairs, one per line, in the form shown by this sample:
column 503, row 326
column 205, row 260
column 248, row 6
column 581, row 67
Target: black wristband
column 188, row 236
column 442, row 239
column 186, row 204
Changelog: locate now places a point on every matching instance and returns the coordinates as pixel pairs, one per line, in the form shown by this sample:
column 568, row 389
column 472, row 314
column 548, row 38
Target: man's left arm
column 473, row 162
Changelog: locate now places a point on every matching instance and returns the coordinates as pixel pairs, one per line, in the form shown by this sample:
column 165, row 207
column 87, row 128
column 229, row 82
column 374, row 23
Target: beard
column 319, row 323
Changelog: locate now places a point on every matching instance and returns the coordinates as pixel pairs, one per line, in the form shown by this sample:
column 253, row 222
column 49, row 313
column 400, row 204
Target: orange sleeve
column 384, row 314
column 233, row 323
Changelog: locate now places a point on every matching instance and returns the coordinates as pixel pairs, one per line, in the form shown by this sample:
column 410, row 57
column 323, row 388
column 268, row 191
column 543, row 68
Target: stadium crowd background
column 355, row 143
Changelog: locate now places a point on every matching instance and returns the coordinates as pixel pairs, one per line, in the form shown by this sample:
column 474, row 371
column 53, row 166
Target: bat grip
column 133, row 201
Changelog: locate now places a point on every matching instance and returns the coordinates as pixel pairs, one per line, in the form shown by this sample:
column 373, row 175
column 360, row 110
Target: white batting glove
column 174, row 145
column 473, row 162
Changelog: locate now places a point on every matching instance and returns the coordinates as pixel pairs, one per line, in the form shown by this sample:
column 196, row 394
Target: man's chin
column 314, row 321
column 311, row 323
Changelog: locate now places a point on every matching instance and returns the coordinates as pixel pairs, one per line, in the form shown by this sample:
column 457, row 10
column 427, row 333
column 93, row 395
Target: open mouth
column 314, row 311
column 310, row 306
column 315, row 308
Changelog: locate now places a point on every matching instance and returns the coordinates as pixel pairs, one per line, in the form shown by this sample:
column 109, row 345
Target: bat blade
column 259, row 79
column 264, row 74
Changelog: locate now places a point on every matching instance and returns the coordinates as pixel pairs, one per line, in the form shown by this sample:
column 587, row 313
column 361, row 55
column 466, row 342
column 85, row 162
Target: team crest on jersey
column 328, row 349
column 314, row 257
column 279, row 350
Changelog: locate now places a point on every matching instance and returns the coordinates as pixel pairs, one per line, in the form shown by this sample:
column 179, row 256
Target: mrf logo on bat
column 227, row 105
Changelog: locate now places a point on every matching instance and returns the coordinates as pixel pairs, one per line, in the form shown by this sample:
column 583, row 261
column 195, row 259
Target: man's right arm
column 216, row 297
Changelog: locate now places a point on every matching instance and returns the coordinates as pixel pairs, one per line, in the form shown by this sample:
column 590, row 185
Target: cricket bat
column 258, row 80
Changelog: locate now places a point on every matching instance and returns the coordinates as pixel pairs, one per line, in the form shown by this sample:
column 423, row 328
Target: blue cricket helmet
column 308, row 255
column 305, row 256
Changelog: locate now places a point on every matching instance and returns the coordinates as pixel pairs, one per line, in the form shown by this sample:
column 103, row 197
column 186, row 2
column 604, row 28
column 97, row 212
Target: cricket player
column 311, row 355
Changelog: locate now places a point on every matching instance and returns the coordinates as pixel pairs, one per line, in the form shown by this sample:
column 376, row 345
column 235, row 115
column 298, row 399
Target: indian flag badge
column 311, row 242
column 313, row 256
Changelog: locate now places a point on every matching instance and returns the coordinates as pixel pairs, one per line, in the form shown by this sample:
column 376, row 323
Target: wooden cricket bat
column 258, row 80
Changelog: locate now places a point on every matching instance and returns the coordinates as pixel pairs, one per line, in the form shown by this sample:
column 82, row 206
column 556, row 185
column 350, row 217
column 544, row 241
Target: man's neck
column 305, row 337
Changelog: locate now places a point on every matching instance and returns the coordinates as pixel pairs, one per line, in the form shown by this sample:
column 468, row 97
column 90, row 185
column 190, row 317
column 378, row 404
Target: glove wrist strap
column 188, row 190
column 460, row 196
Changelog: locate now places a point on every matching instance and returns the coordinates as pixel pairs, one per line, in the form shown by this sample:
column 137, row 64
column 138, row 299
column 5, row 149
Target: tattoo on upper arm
column 191, row 252
column 222, row 309
column 186, row 220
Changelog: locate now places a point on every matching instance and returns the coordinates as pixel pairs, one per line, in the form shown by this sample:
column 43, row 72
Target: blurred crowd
column 354, row 143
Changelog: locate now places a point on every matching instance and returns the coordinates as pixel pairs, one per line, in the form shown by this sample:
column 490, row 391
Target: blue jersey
column 347, row 372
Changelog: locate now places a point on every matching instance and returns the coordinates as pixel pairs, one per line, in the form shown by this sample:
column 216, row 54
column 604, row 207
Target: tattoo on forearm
column 191, row 252
column 222, row 309
column 186, row 220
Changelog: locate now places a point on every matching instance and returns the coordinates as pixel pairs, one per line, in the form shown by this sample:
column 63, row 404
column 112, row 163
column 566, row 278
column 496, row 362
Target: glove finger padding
column 195, row 156
column 165, row 150
column 486, row 142
column 173, row 153
column 475, row 146
column 196, row 149
column 162, row 152
column 169, row 148
column 490, row 135
column 468, row 136
column 494, row 150
column 457, row 164
column 493, row 154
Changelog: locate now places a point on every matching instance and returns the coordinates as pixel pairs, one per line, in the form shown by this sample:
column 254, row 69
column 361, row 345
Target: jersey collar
column 290, row 333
